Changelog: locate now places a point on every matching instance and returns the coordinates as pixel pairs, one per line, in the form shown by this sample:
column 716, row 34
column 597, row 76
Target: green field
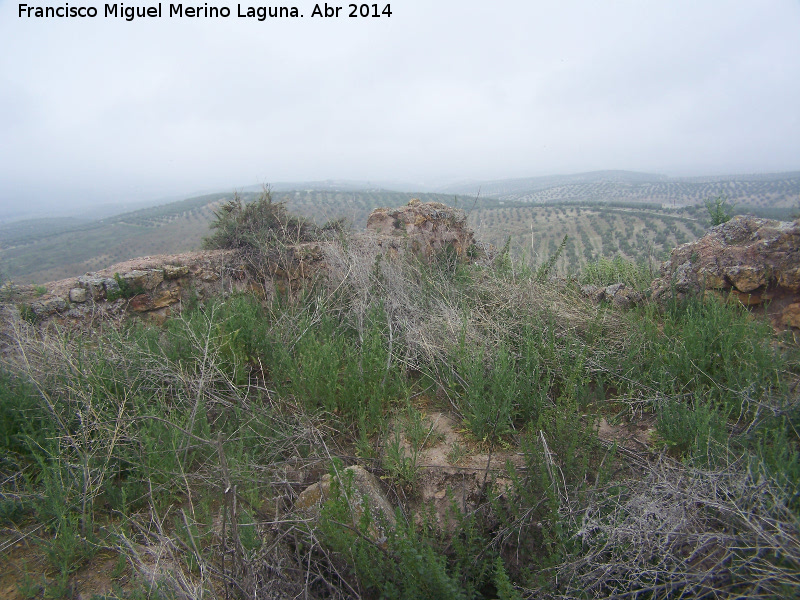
column 535, row 232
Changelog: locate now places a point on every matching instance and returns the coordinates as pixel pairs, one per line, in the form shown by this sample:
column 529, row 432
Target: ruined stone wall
column 156, row 287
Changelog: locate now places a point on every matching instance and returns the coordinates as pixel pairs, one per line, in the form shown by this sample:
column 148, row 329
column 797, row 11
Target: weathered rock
column 159, row 299
column 365, row 493
column 791, row 315
column 94, row 285
column 611, row 290
column 175, row 271
column 111, row 287
column 427, row 228
column 48, row 306
column 620, row 295
column 755, row 260
column 77, row 295
column 626, row 297
column 143, row 280
column 590, row 291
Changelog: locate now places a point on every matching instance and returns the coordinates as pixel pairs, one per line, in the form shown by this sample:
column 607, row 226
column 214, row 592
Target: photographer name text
column 204, row 11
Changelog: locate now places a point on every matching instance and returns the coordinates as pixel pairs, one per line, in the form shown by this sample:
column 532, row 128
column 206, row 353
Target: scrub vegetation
column 177, row 452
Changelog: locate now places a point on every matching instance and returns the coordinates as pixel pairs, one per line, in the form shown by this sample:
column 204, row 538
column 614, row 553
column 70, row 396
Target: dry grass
column 677, row 531
column 432, row 308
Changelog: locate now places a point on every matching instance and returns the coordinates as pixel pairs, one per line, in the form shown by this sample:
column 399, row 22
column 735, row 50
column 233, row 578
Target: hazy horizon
column 104, row 111
column 118, row 203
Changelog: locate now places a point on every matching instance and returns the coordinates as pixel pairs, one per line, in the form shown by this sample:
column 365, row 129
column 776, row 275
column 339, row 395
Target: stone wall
column 149, row 286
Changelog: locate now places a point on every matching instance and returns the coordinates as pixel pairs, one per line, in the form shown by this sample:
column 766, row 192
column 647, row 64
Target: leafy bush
column 262, row 224
column 692, row 429
column 407, row 566
column 719, row 210
column 23, row 416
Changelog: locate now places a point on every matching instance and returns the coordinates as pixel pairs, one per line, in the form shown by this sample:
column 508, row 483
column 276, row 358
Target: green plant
column 40, row 290
column 407, row 565
column 505, row 590
column 262, row 224
column 488, row 393
column 544, row 270
column 400, row 463
column 690, row 428
column 29, row 587
column 60, row 588
column 124, row 289
column 708, row 348
column 718, row 209
column 23, row 418
column 456, row 453
column 28, row 314
column 604, row 271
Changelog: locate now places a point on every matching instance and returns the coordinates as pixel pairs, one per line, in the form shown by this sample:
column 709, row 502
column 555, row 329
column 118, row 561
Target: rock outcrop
column 618, row 294
column 756, row 261
column 425, row 228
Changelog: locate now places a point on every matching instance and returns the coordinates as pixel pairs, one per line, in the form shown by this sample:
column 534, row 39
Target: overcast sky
column 102, row 109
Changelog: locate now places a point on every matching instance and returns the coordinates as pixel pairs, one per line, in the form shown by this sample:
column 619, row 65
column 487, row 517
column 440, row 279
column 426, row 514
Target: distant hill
column 772, row 190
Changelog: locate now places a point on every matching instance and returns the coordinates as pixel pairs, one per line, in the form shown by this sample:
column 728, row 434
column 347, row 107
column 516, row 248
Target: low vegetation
column 178, row 451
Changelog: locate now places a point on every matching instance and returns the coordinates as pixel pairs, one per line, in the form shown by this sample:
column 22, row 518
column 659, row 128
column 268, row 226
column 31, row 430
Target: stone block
column 78, row 295
column 175, row 271
column 93, row 285
column 48, row 306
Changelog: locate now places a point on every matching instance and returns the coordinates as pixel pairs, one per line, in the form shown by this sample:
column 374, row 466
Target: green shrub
column 407, row 566
column 604, row 271
column 329, row 367
column 262, row 224
column 563, row 459
column 708, row 348
column 505, row 590
column 692, row 428
column 719, row 210
column 544, row 269
column 125, row 289
column 28, row 314
column 23, row 417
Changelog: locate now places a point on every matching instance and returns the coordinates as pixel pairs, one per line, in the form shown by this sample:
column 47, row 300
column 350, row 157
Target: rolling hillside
column 779, row 190
column 638, row 215
column 535, row 232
